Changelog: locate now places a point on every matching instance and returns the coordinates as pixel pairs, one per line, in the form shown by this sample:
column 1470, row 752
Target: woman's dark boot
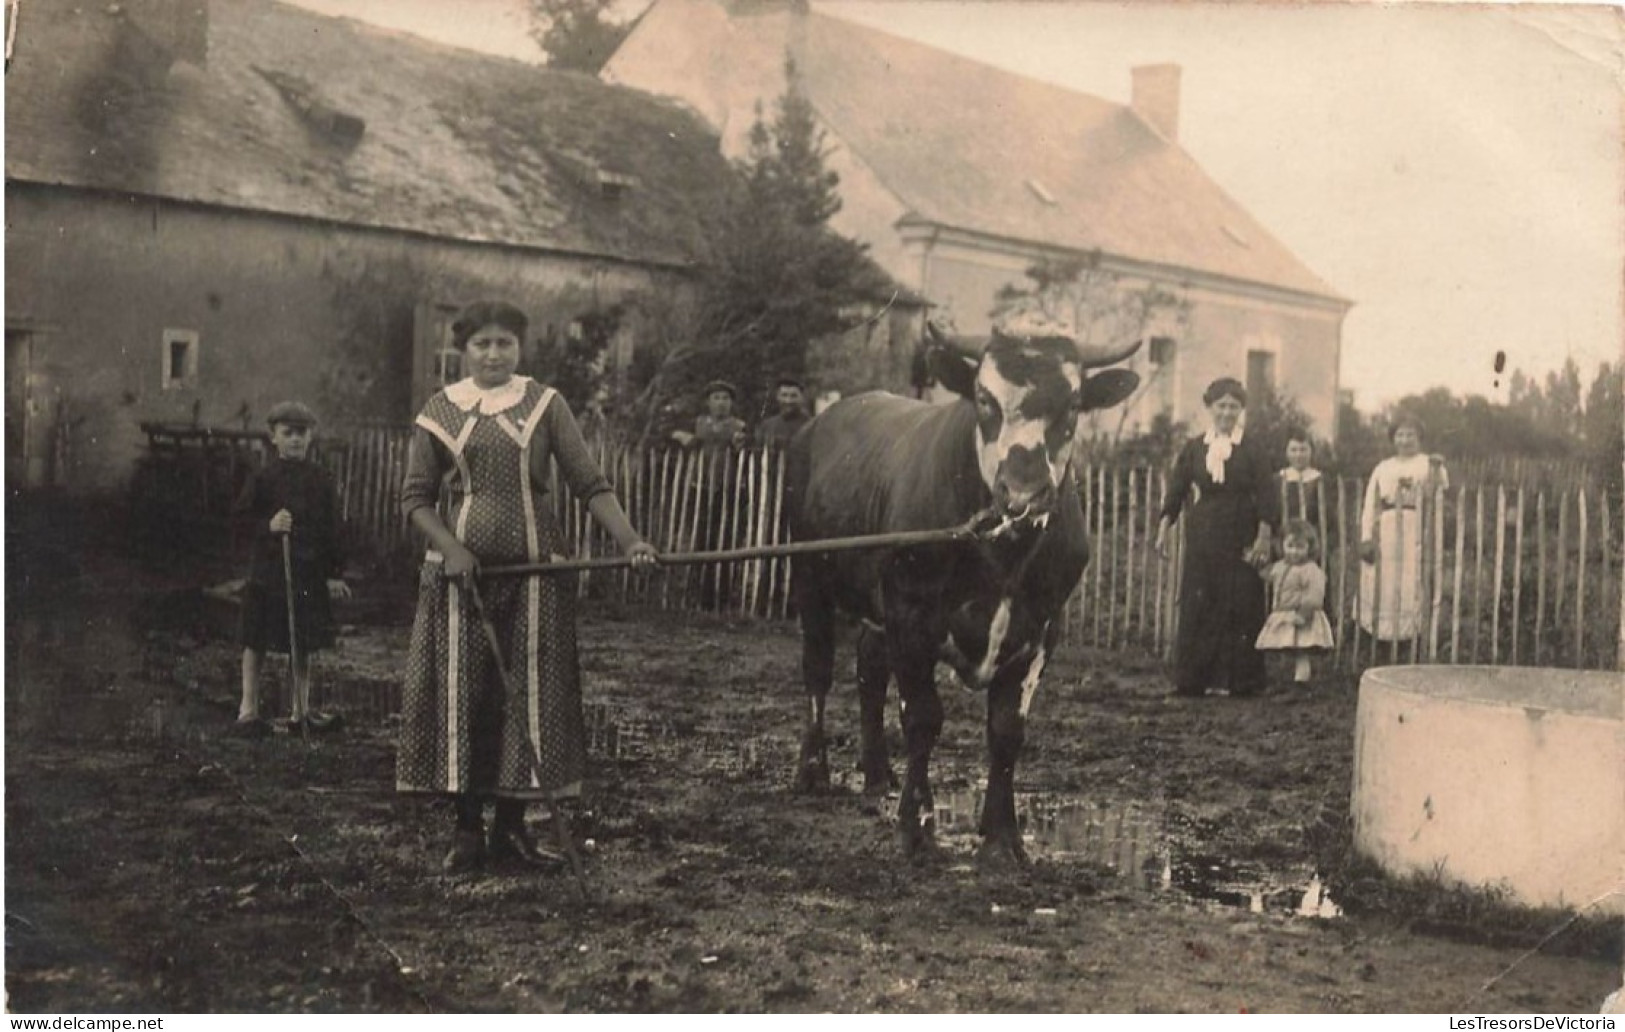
column 511, row 841
column 468, row 841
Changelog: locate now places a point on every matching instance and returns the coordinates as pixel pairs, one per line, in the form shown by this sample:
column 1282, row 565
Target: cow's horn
column 1091, row 355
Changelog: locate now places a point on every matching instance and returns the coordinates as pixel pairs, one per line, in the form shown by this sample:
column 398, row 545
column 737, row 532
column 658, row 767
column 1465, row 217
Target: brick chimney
column 1156, row 98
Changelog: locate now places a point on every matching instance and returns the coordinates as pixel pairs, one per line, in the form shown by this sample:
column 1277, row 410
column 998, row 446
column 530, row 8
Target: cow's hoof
column 918, row 843
column 1000, row 855
column 879, row 784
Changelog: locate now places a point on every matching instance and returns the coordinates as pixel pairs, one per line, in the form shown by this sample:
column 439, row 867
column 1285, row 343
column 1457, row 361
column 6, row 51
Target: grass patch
column 1431, row 903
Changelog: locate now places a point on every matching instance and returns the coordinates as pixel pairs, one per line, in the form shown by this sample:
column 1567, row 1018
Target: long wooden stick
column 901, row 539
column 299, row 692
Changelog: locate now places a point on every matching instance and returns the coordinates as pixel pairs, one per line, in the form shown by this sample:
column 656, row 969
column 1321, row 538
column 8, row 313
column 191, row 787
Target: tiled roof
column 451, row 143
column 970, row 146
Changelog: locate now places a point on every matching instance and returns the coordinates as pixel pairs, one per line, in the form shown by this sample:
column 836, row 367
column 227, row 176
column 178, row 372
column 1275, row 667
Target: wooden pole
column 781, row 534
column 1111, row 592
column 1340, row 646
column 1540, row 573
column 1128, row 554
column 898, row 539
column 1147, row 633
column 1461, row 551
column 666, row 512
column 1580, row 589
column 1099, row 549
column 1560, row 558
column 1478, row 570
column 1500, row 561
column 1436, row 598
column 1376, row 586
column 1517, row 573
column 1159, row 637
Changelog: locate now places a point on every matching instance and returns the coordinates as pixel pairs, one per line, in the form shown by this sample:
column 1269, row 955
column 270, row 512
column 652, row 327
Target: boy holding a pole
column 292, row 510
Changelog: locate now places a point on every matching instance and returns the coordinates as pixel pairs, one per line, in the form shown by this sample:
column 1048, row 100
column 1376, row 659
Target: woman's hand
column 282, row 522
column 1368, row 551
column 336, row 588
column 643, row 555
column 459, row 562
column 1259, row 554
column 1162, row 545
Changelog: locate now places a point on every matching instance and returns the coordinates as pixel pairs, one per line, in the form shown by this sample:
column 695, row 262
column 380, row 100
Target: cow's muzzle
column 1024, row 503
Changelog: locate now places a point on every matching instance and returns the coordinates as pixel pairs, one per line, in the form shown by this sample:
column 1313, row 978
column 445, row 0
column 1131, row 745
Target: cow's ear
column 954, row 370
column 1107, row 388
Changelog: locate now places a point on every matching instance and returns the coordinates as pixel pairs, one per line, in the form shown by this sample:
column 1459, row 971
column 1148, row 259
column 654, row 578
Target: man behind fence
column 719, row 434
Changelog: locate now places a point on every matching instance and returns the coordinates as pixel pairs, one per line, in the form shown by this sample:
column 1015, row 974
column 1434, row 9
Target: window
column 1260, row 373
column 179, row 359
column 449, row 365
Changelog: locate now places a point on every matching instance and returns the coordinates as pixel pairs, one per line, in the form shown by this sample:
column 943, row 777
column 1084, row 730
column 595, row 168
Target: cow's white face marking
column 1024, row 420
column 1029, row 683
column 996, row 630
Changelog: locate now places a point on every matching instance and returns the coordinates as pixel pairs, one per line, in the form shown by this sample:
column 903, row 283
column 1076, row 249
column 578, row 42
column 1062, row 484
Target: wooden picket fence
column 1507, row 574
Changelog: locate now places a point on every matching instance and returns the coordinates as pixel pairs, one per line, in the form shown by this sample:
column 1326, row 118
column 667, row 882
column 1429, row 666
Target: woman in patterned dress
column 477, row 487
column 1391, row 605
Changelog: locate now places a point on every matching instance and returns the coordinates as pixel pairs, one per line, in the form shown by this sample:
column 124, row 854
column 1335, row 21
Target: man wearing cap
column 775, row 432
column 718, row 433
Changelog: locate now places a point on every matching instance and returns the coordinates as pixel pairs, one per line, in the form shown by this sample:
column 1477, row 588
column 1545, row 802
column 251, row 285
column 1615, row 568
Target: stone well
column 1495, row 776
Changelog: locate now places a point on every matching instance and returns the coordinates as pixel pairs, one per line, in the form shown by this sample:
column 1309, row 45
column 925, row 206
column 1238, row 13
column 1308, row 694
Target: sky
column 1456, row 170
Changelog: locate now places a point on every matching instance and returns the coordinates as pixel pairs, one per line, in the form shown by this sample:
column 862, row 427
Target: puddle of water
column 1137, row 846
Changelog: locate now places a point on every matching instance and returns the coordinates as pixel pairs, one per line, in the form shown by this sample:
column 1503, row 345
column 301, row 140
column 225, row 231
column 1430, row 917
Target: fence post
column 1111, row 589
column 1478, row 570
column 1540, row 577
column 1148, row 559
column 1580, row 589
column 1500, row 559
column 1561, row 560
column 1461, row 564
column 1341, row 642
column 1517, row 573
column 1436, row 598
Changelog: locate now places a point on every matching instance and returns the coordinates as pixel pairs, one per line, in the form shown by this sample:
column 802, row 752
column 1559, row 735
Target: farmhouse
column 217, row 204
column 960, row 176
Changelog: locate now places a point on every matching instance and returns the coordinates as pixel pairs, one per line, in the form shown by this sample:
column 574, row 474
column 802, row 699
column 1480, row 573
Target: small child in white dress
column 1297, row 622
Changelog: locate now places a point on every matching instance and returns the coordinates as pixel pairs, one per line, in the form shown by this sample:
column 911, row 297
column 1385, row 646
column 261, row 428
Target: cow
column 997, row 460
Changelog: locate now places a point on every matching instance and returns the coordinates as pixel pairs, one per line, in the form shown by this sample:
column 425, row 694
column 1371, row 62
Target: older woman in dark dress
column 1226, row 486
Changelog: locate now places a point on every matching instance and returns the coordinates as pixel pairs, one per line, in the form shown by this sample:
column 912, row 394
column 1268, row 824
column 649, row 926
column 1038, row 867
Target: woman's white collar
column 468, row 395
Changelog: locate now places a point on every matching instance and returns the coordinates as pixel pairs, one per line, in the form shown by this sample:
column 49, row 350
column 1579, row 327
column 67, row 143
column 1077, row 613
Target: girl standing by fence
column 1297, row 623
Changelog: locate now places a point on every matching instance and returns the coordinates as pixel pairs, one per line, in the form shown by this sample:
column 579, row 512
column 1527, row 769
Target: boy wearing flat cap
column 290, row 498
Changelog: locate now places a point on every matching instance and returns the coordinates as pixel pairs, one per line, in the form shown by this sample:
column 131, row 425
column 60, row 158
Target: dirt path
column 153, row 864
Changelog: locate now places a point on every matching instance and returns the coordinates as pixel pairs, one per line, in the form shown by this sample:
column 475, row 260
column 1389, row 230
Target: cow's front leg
column 913, row 656
column 1008, row 701
column 873, row 674
column 817, row 671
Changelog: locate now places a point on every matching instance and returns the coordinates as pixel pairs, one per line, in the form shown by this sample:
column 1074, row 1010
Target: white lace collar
column 468, row 395
column 1218, row 451
column 1308, row 476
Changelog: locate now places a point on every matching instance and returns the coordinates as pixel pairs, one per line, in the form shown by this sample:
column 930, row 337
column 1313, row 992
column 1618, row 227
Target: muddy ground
column 153, row 864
